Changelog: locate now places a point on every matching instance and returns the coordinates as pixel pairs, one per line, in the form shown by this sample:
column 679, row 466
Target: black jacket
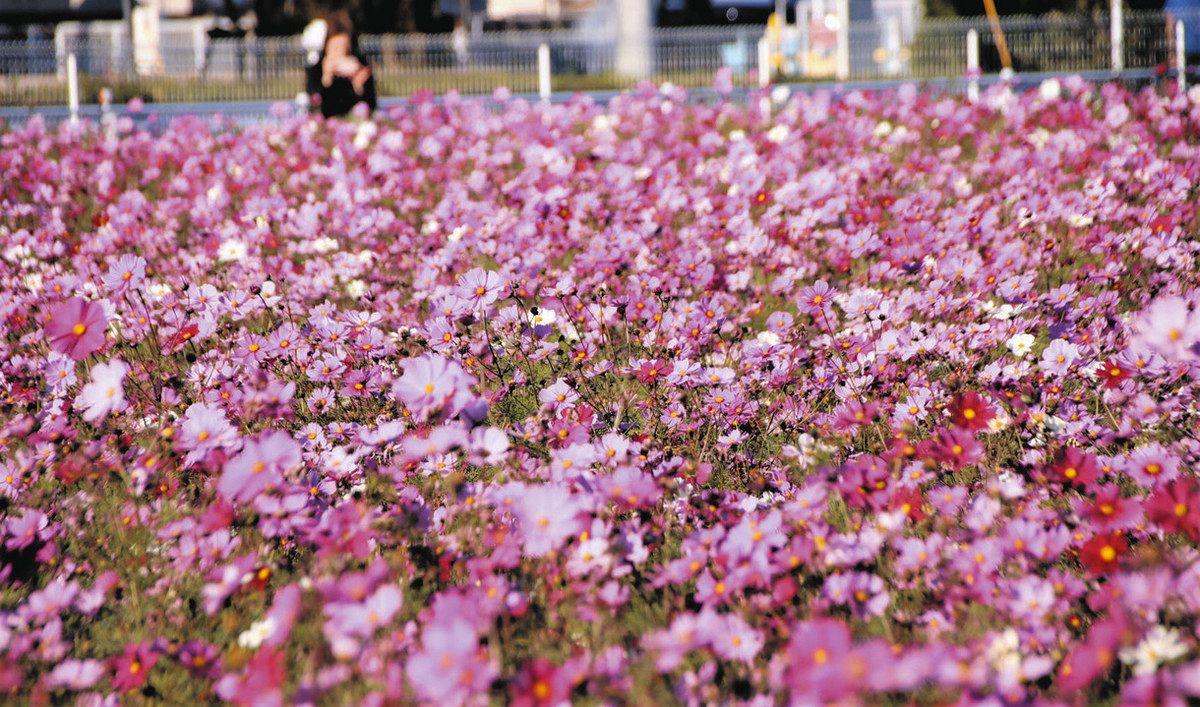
column 338, row 98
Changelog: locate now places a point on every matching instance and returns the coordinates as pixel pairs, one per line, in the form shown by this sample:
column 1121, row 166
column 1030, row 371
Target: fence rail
column 188, row 66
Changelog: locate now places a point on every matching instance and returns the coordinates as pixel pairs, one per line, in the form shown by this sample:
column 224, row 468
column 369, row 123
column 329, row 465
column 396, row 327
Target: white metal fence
column 188, row 66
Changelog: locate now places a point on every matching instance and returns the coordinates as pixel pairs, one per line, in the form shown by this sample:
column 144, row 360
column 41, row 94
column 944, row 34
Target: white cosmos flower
column 325, row 244
column 17, row 252
column 1005, row 312
column 1161, row 645
column 542, row 316
column 1050, row 89
column 777, row 134
column 258, row 632
column 366, row 131
column 1020, row 344
column 356, row 288
column 769, row 338
column 231, row 250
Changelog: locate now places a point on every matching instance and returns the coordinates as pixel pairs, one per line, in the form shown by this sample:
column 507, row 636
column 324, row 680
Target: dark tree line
column 373, row 16
column 380, row 16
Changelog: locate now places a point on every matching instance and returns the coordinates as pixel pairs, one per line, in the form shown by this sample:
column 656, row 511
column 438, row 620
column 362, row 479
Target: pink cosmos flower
column 1109, row 510
column 817, row 299
column 449, row 667
column 283, row 614
column 1058, row 357
column 1175, row 507
column 105, row 393
column 1094, row 656
column 548, row 515
column 480, row 287
column 1151, row 464
column 559, row 396
column 76, row 327
column 75, row 674
column 734, row 639
column 431, row 382
column 1168, row 327
column 363, row 619
column 817, row 655
column 125, row 274
column 260, row 465
column 674, row 643
column 260, row 684
column 133, row 666
column 204, row 428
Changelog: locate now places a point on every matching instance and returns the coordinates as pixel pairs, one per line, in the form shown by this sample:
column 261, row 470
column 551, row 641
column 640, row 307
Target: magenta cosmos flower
column 76, row 327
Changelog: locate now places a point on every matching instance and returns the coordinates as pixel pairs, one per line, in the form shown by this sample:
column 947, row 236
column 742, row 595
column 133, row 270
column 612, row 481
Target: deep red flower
column 1102, row 554
column 970, row 411
column 1073, row 466
column 911, row 501
column 651, row 372
column 1113, row 373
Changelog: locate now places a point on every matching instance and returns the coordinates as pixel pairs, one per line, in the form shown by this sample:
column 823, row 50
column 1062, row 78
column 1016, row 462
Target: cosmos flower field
column 869, row 397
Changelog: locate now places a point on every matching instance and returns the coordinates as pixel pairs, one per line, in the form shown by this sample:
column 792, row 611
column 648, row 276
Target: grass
column 47, row 90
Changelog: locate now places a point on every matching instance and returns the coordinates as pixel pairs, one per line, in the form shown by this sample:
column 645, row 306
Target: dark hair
column 339, row 22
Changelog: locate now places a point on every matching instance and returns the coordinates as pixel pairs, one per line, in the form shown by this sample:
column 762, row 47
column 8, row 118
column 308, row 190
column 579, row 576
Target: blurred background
column 254, row 50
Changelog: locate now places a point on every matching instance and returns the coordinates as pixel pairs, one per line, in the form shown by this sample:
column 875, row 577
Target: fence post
column 199, row 47
column 1180, row 56
column 73, row 87
column 1117, row 35
column 972, row 64
column 764, row 61
column 543, row 60
column 893, row 43
column 843, row 40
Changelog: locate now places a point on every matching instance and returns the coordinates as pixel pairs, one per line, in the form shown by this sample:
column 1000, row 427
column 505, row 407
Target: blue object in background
column 1189, row 12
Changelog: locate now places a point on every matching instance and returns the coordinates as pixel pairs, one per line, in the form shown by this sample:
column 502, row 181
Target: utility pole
column 127, row 14
column 635, row 52
column 1116, row 31
column 989, row 7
